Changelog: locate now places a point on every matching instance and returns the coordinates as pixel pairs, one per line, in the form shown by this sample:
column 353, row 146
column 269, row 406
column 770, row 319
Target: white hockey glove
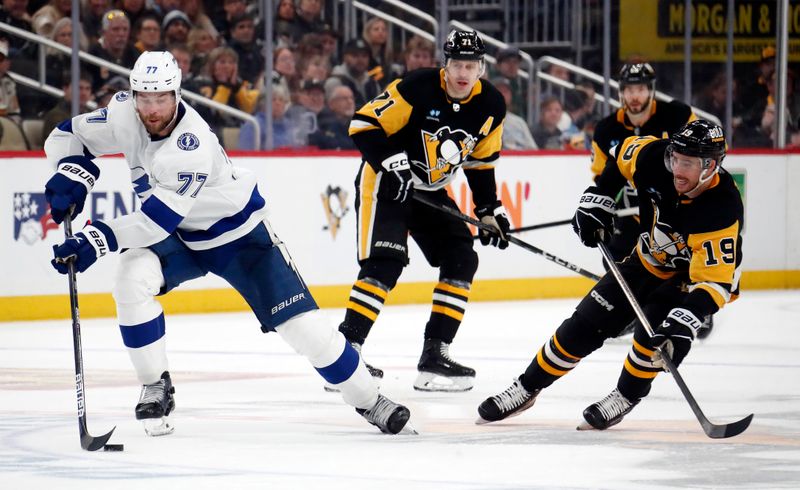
column 675, row 336
column 396, row 183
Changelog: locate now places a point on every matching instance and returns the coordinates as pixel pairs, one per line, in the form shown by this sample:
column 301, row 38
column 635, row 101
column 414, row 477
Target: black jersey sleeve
column 483, row 185
column 377, row 120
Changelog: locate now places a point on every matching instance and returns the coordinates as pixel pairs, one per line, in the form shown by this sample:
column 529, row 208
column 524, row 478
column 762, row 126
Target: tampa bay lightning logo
column 188, row 142
column 122, row 96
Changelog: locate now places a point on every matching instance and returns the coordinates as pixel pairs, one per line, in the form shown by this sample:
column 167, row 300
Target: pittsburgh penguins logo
column 445, row 151
column 334, row 203
column 665, row 245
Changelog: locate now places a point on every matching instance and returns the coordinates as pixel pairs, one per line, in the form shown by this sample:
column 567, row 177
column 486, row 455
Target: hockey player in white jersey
column 199, row 214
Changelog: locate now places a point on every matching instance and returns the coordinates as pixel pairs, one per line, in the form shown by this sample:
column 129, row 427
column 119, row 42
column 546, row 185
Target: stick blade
column 727, row 430
column 91, row 443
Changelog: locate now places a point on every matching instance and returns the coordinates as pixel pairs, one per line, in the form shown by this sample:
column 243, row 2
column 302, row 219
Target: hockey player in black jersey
column 413, row 138
column 685, row 266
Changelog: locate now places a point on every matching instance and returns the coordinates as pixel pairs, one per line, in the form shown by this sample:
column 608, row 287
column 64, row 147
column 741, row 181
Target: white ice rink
column 252, row 414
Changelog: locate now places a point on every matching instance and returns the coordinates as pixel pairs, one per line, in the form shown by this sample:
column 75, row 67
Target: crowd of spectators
column 318, row 79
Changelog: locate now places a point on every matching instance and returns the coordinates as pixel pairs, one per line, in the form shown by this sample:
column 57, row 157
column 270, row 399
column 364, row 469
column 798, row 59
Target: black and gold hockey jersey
column 699, row 238
column 665, row 119
column 415, row 115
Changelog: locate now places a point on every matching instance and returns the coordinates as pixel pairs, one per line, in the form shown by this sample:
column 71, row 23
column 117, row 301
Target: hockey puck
column 113, row 447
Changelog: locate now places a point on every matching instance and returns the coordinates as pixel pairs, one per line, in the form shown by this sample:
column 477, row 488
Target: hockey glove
column 494, row 215
column 74, row 178
column 594, row 218
column 396, row 181
column 84, row 248
column 675, row 336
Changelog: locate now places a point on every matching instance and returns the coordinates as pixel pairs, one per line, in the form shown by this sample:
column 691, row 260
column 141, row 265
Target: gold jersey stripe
column 714, row 255
column 372, row 289
column 628, row 152
column 562, row 350
column 638, row 372
column 351, row 305
column 444, row 310
column 366, row 210
column 547, row 367
column 443, row 286
column 642, row 349
column 489, row 145
column 599, row 160
column 389, row 109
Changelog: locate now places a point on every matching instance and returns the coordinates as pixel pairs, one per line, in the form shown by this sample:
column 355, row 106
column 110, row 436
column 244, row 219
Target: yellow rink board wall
column 101, row 305
column 311, row 203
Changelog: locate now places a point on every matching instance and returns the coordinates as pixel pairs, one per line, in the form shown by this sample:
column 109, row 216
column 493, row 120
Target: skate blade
column 584, row 425
column 436, row 382
column 408, row 430
column 158, row 427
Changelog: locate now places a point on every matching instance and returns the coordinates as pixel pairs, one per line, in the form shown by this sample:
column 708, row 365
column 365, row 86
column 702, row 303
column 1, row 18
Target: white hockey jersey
column 185, row 181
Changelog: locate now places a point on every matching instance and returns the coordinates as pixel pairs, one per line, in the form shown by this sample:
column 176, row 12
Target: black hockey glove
column 494, row 215
column 73, row 181
column 675, row 335
column 396, row 182
column 594, row 218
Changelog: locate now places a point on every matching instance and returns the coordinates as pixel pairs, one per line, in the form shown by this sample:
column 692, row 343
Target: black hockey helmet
column 463, row 45
column 637, row 73
column 699, row 138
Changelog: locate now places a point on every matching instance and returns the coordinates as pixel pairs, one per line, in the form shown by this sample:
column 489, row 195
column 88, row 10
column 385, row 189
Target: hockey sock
column 551, row 363
column 366, row 301
column 449, row 303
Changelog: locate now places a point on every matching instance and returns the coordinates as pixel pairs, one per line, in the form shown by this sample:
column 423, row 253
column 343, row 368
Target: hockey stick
column 619, row 214
column 516, row 241
column 714, row 431
column 88, row 442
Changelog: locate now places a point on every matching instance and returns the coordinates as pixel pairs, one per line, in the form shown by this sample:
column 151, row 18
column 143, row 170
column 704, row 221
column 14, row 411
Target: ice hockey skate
column 607, row 412
column 511, row 402
column 439, row 372
column 388, row 416
column 156, row 402
column 376, row 373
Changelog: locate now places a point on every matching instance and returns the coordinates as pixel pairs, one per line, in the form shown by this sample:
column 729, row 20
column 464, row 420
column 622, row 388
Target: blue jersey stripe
column 163, row 215
column 342, row 368
column 135, row 336
column 225, row 224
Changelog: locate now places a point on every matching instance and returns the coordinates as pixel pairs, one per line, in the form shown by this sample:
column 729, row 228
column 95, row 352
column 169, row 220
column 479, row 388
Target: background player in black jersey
column 640, row 115
column 685, row 266
column 414, row 137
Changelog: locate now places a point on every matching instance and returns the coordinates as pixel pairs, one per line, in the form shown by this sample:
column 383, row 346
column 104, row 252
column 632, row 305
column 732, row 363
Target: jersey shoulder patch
column 188, row 141
column 122, row 96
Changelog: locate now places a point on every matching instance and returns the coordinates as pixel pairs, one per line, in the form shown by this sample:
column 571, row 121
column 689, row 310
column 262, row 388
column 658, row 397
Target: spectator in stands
column 714, row 95
column 284, row 72
column 376, row 35
column 92, row 17
column 546, row 132
column 196, row 12
column 63, row 109
column 419, row 53
column 353, row 73
column 284, row 21
column 163, row 7
column 284, row 131
column 175, row 27
column 314, row 67
column 184, row 59
column 516, row 133
column 232, row 9
column 244, row 42
column 508, row 61
column 57, row 62
column 113, row 85
column 46, row 17
column 201, row 42
column 220, row 82
column 792, row 101
column 147, row 32
column 755, row 90
column 113, row 45
column 134, row 9
column 311, row 96
column 329, row 44
column 308, row 19
column 9, row 105
column 334, row 120
column 15, row 13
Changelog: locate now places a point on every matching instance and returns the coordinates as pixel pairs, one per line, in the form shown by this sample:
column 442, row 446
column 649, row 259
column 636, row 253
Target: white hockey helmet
column 156, row 71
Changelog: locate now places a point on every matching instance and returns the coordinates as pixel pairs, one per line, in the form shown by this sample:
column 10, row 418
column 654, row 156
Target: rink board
column 311, row 208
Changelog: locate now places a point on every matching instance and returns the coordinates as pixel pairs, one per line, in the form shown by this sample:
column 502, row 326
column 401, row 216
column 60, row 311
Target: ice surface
column 252, row 414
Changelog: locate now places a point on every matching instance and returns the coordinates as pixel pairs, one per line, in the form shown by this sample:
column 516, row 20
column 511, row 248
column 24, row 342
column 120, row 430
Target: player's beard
column 644, row 107
column 156, row 126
